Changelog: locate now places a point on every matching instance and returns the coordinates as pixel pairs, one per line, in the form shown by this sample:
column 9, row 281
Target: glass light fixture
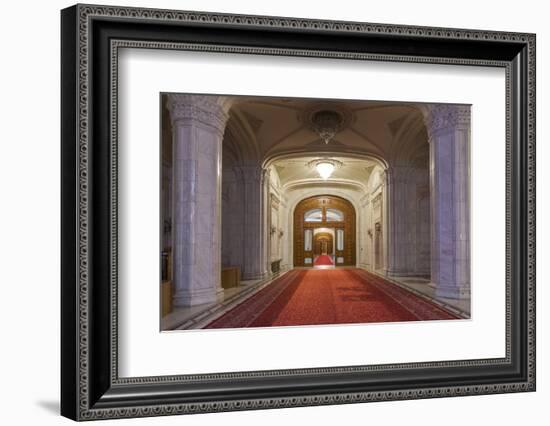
column 325, row 169
column 325, row 166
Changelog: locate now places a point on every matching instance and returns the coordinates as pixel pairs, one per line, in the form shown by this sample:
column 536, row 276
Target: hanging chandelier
column 327, row 123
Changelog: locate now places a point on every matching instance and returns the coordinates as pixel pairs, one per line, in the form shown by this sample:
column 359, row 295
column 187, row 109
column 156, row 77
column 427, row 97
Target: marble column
column 198, row 124
column 448, row 129
column 255, row 232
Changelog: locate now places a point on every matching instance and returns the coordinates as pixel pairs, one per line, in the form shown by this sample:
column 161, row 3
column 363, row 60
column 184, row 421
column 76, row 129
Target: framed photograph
column 263, row 212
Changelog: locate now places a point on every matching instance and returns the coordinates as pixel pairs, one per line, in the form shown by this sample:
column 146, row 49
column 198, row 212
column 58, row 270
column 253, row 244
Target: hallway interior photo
column 301, row 212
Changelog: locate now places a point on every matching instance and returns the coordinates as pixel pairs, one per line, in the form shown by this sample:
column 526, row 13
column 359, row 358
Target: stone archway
column 330, row 212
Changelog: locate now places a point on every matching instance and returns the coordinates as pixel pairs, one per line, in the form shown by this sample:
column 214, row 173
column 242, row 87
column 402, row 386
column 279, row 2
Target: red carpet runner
column 330, row 296
column 323, row 260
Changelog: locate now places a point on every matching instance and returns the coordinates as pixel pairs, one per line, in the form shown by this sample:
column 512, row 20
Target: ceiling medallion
column 327, row 119
column 327, row 123
column 325, row 166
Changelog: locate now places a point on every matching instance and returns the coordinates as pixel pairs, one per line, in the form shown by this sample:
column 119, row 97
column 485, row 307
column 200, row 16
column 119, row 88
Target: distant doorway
column 323, row 243
column 323, row 247
column 324, row 226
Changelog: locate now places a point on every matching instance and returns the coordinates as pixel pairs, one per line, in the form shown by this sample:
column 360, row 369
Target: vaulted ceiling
column 263, row 128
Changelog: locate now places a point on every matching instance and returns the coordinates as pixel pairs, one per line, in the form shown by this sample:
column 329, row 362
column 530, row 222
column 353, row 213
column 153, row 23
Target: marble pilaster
column 233, row 217
column 255, row 220
column 402, row 217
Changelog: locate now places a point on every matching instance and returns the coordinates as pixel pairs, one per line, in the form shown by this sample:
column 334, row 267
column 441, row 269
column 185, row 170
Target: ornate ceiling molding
column 318, row 182
column 324, row 113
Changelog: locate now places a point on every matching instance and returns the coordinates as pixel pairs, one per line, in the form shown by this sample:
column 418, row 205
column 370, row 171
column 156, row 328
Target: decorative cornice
column 207, row 110
column 325, row 183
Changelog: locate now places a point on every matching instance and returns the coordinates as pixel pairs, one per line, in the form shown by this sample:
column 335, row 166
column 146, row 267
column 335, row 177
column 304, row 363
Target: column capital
column 209, row 111
column 445, row 118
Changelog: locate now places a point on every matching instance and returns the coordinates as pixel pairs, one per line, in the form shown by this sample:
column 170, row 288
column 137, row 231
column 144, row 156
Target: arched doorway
column 323, row 243
column 324, row 214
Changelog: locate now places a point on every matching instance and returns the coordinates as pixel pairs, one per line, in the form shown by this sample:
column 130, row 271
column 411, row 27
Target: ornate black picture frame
column 91, row 387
